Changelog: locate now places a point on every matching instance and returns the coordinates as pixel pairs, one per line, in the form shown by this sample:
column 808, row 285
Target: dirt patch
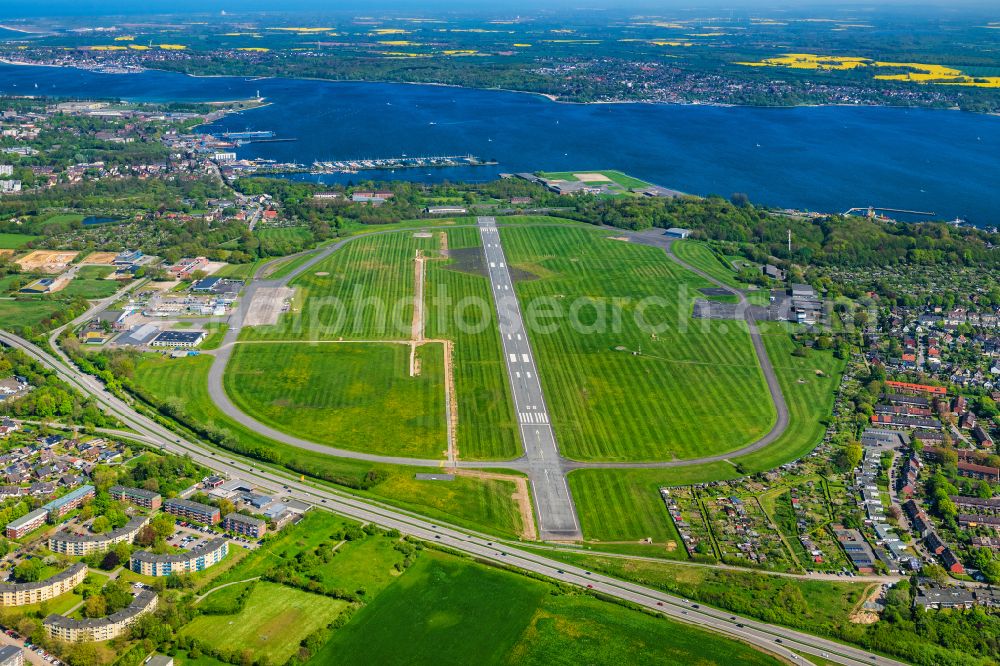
column 213, row 267
column 522, row 496
column 267, row 305
column 423, row 234
column 321, row 274
column 100, row 258
column 468, row 260
column 861, row 616
column 443, row 244
column 619, row 238
column 591, row 178
column 46, row 261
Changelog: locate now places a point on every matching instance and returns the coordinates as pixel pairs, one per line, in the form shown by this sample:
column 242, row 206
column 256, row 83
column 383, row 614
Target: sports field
column 625, row 505
column 618, row 177
column 437, row 611
column 483, row 504
column 272, row 624
column 356, row 396
column 616, row 389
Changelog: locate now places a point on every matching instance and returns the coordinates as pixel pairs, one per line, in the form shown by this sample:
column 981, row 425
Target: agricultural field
column 15, row 241
column 182, row 386
column 436, row 613
column 635, row 493
column 272, row 624
column 356, row 396
column 618, row 389
column 486, row 423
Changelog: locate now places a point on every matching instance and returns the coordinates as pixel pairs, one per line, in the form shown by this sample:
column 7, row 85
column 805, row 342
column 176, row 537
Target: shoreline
column 548, row 96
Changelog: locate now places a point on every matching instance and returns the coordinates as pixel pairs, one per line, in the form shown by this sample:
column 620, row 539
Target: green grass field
column 486, row 423
column 28, row 312
column 14, row 241
column 696, row 388
column 446, row 610
column 355, row 396
column 272, row 624
column 617, row 505
column 364, row 291
column 237, row 271
column 90, row 283
column 477, row 503
column 698, row 255
column 278, row 234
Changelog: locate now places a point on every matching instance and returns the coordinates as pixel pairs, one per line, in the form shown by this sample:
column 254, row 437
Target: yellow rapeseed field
column 918, row 72
column 258, row 49
column 125, row 38
column 172, row 47
column 301, row 30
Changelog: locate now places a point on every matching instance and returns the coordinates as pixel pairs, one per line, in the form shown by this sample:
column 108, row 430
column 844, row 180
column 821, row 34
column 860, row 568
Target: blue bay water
column 818, row 158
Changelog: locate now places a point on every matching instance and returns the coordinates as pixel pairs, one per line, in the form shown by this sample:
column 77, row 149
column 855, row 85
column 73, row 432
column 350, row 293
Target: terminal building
column 196, row 511
column 100, row 628
column 79, row 545
column 144, row 498
column 21, row 594
column 196, row 559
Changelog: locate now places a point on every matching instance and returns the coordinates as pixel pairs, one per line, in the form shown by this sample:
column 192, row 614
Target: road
column 545, row 466
column 776, row 640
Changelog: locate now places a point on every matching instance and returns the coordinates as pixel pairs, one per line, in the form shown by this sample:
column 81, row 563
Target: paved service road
column 777, row 640
column 553, row 502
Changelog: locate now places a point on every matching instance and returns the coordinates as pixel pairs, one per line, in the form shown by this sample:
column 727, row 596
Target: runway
column 553, row 503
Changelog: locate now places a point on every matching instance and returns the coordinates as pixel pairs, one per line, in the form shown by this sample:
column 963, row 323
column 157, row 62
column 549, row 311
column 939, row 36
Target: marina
column 403, row 162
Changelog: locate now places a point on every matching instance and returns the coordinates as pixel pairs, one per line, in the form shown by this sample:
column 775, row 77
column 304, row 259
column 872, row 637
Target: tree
column 100, row 525
column 117, row 595
column 28, row 571
column 95, row 606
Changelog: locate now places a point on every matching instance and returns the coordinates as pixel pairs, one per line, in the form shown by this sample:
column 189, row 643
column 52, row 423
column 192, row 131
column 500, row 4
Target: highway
column 553, row 501
column 776, row 640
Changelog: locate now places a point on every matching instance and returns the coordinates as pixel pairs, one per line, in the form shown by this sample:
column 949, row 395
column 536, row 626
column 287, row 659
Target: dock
column 403, row 162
